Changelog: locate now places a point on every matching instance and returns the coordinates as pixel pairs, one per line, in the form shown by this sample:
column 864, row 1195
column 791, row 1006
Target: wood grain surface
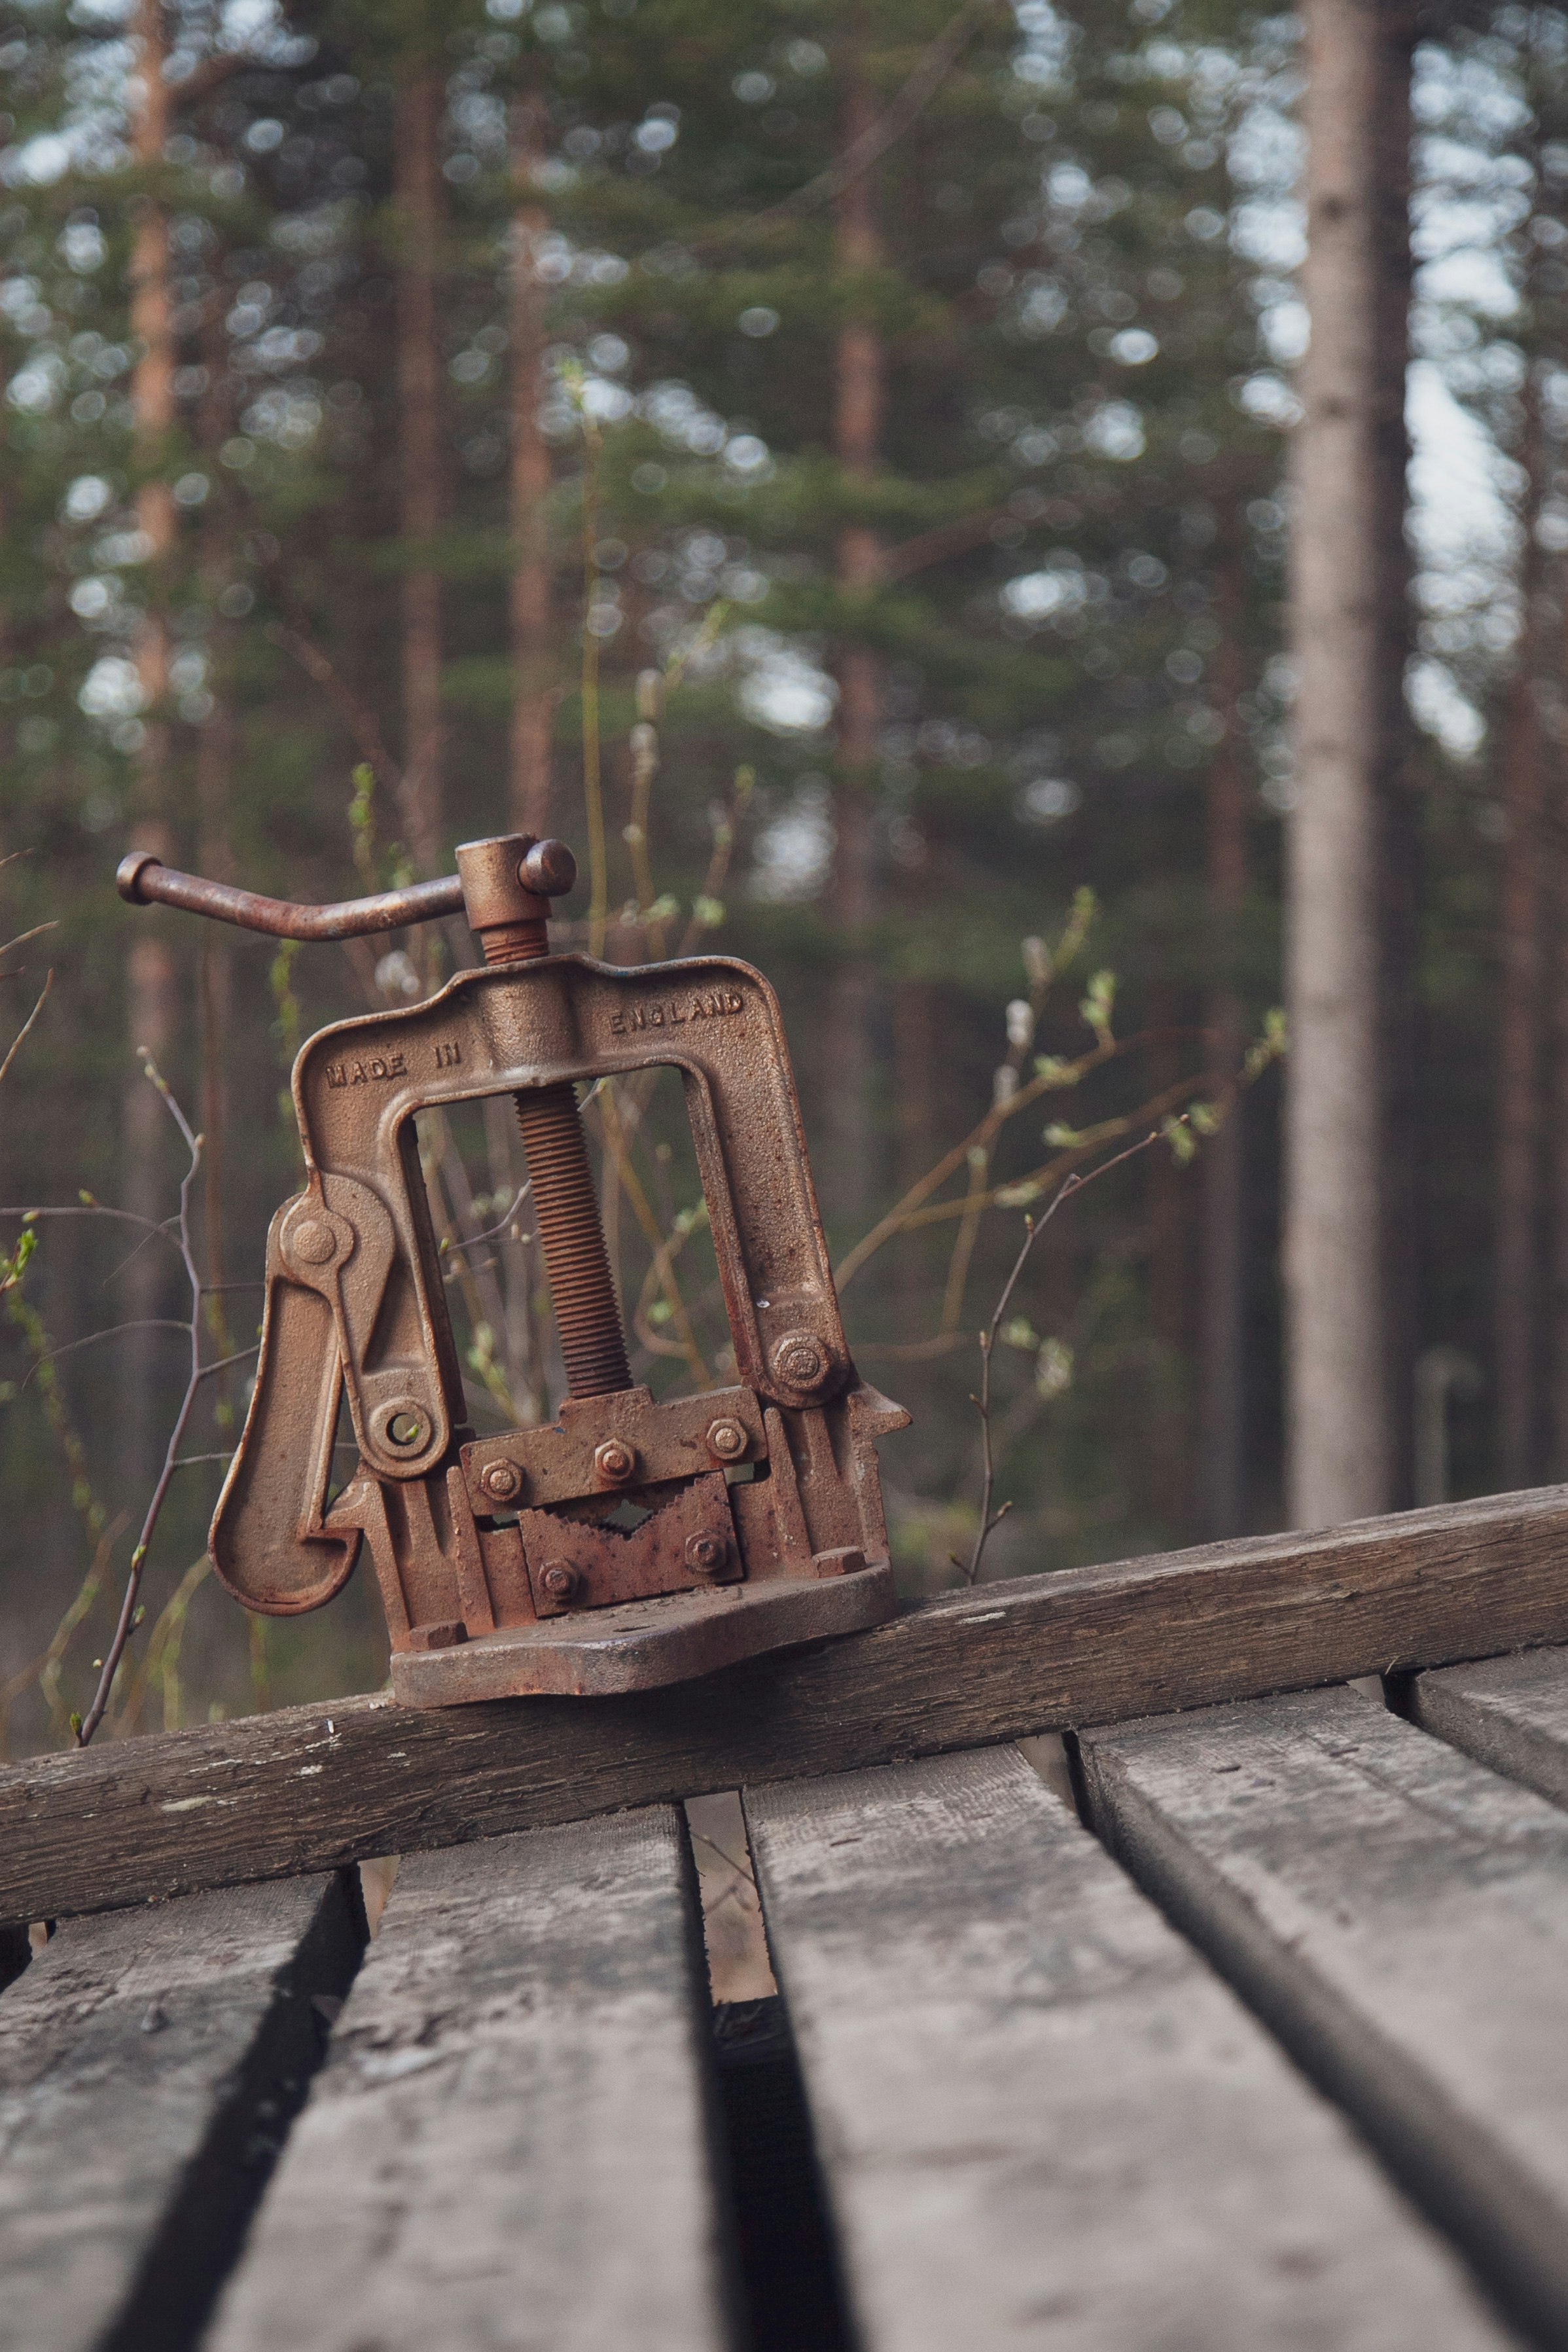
column 148, row 2063
column 1042, row 2118
column 310, row 1788
column 1399, row 1916
column 1510, row 1713
column 507, row 2146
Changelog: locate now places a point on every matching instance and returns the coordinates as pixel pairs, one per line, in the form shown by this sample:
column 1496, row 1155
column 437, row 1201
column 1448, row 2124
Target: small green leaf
column 1099, row 1004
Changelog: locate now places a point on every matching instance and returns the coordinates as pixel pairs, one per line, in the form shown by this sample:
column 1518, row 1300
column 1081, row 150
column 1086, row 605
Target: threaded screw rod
column 566, row 1210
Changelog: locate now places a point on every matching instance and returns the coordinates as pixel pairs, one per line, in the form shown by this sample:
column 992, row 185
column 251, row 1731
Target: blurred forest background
column 834, row 466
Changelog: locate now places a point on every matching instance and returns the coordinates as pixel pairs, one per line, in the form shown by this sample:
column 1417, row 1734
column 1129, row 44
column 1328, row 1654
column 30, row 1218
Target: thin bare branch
column 128, row 1607
column 1033, row 1228
column 930, row 70
column 98, row 1209
column 23, row 937
column 19, row 1040
column 294, row 639
column 114, row 1331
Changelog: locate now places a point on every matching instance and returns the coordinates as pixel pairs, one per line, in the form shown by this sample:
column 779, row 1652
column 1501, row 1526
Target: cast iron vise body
column 498, row 1569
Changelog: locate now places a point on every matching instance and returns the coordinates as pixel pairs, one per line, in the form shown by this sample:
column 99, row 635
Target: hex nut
column 559, row 1580
column 801, row 1362
column 615, row 1461
column 706, row 1555
column 726, row 1440
column 502, row 1481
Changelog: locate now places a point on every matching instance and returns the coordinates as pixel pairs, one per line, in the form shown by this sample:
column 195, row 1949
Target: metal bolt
column 502, row 1481
column 559, row 1580
column 706, row 1555
column 311, row 1241
column 727, row 1440
column 615, row 1461
column 801, row 1362
column 549, row 869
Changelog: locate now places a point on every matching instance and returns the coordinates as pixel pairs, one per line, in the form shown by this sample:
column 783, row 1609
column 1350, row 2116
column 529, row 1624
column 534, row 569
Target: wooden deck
column 1261, row 2043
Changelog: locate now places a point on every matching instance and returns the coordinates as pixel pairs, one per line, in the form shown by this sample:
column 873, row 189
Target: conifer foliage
column 827, row 463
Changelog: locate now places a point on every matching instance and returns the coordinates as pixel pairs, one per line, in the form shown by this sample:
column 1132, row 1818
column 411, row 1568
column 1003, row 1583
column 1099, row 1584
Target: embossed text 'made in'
column 359, row 1074
column 671, row 1012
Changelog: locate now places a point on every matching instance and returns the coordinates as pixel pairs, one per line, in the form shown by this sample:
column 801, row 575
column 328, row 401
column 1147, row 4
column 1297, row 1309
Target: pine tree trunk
column 1516, row 1284
column 419, row 186
column 152, row 988
column 860, row 400
column 215, row 853
column 1338, row 1435
column 1557, row 998
column 1399, row 806
column 1222, row 1336
column 533, row 695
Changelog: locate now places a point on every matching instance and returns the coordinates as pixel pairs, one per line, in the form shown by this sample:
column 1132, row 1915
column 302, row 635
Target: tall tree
column 420, row 225
column 1519, row 1024
column 1222, row 1387
column 860, row 405
column 1348, row 469
column 534, row 692
column 1396, row 778
column 151, row 991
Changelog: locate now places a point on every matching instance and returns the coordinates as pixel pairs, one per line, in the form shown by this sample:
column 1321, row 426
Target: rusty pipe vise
column 499, row 1569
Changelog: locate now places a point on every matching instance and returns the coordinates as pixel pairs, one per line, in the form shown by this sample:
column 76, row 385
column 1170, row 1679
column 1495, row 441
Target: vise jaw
column 497, row 1566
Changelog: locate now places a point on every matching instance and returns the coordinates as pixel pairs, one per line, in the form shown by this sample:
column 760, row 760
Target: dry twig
column 1033, row 1228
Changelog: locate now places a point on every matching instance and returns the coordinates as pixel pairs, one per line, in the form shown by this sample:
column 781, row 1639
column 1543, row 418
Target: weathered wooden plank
column 309, row 1788
column 1042, row 2118
column 1400, row 1917
column 149, row 2061
column 1510, row 1713
column 507, row 2146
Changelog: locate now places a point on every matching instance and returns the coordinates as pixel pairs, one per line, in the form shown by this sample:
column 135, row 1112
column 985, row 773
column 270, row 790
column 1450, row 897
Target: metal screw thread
column 566, row 1211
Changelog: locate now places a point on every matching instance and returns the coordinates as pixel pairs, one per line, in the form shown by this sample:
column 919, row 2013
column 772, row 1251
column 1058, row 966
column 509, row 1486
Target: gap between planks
column 1397, row 1914
column 1041, row 2117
